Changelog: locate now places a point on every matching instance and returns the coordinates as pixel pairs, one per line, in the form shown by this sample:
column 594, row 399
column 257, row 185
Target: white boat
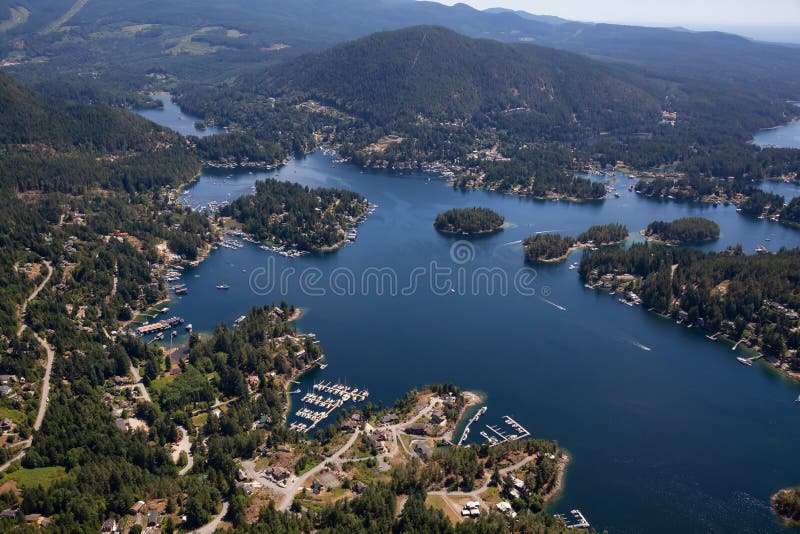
column 223, row 286
column 744, row 361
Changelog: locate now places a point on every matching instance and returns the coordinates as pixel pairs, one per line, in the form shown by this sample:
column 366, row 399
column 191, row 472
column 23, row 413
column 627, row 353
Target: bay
column 677, row 438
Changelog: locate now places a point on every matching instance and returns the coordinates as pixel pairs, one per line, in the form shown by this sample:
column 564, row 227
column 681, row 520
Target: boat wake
column 519, row 242
column 553, row 304
column 639, row 345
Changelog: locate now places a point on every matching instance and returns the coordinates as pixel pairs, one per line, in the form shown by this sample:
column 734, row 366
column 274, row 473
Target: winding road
column 211, row 526
column 45, row 395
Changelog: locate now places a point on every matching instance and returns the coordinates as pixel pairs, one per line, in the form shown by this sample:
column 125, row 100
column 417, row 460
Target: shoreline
column 558, row 486
column 580, row 246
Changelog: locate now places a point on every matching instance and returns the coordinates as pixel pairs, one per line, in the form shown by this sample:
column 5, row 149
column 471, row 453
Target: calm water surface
column 677, row 438
column 787, row 136
column 171, row 115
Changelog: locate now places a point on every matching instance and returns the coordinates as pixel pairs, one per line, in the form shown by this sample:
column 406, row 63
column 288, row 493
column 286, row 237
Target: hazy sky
column 723, row 12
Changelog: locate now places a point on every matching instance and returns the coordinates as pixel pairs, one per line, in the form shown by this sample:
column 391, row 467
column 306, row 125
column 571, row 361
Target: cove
column 678, row 438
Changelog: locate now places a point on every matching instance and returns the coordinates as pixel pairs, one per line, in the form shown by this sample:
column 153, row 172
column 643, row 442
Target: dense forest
column 290, row 214
column 754, row 298
column 547, row 247
column 604, row 234
column 469, row 221
column 554, row 247
column 685, row 230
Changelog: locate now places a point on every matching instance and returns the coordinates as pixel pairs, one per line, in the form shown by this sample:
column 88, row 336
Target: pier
column 578, row 520
column 465, row 434
column 339, row 390
column 520, row 432
column 159, row 326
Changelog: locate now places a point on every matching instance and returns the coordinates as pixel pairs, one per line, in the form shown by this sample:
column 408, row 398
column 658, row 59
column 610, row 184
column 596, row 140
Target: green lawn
column 42, row 476
column 12, row 414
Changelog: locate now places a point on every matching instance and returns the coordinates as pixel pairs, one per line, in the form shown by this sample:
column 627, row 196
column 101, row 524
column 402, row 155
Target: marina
column 500, row 435
column 159, row 326
column 474, row 419
column 318, row 407
column 340, row 390
column 576, row 519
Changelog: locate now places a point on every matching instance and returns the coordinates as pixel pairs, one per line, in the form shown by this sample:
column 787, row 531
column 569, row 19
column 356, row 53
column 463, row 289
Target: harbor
column 576, row 519
column 498, row 435
column 339, row 396
column 583, row 359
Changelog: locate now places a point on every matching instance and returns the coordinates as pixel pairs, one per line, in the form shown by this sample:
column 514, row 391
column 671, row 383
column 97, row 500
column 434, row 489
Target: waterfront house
column 388, row 419
column 6, row 424
column 317, row 486
column 359, row 487
column 349, row 426
column 152, row 518
column 438, row 417
column 109, row 525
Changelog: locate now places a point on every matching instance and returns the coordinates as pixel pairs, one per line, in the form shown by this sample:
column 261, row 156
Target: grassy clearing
column 40, row 476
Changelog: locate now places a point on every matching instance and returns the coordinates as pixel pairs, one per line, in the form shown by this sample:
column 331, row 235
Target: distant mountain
column 209, row 41
column 525, row 15
column 439, row 74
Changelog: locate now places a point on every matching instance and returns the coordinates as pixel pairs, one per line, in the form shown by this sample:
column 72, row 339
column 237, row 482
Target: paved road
column 298, row 483
column 137, row 380
column 45, row 383
column 184, row 445
column 32, row 296
column 45, row 395
column 209, row 528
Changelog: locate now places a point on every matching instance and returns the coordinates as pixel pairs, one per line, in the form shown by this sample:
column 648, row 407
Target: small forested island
column 686, row 230
column 604, row 234
column 751, row 300
column 553, row 248
column 786, row 504
column 305, row 219
column 469, row 221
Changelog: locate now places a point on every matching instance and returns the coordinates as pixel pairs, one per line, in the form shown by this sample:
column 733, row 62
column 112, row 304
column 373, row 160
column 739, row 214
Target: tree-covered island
column 553, row 248
column 469, row 221
column 786, row 504
column 686, row 230
column 306, row 219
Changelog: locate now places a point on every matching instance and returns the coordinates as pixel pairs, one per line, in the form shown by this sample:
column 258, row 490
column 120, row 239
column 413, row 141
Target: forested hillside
column 440, row 75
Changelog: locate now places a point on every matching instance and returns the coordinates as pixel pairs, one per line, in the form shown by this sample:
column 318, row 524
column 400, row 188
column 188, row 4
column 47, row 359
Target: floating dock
column 465, row 434
column 159, row 326
column 337, row 396
column 339, row 390
column 518, row 432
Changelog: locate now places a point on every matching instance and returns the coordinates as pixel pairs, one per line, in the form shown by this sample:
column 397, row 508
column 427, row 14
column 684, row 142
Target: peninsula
column 553, row 248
